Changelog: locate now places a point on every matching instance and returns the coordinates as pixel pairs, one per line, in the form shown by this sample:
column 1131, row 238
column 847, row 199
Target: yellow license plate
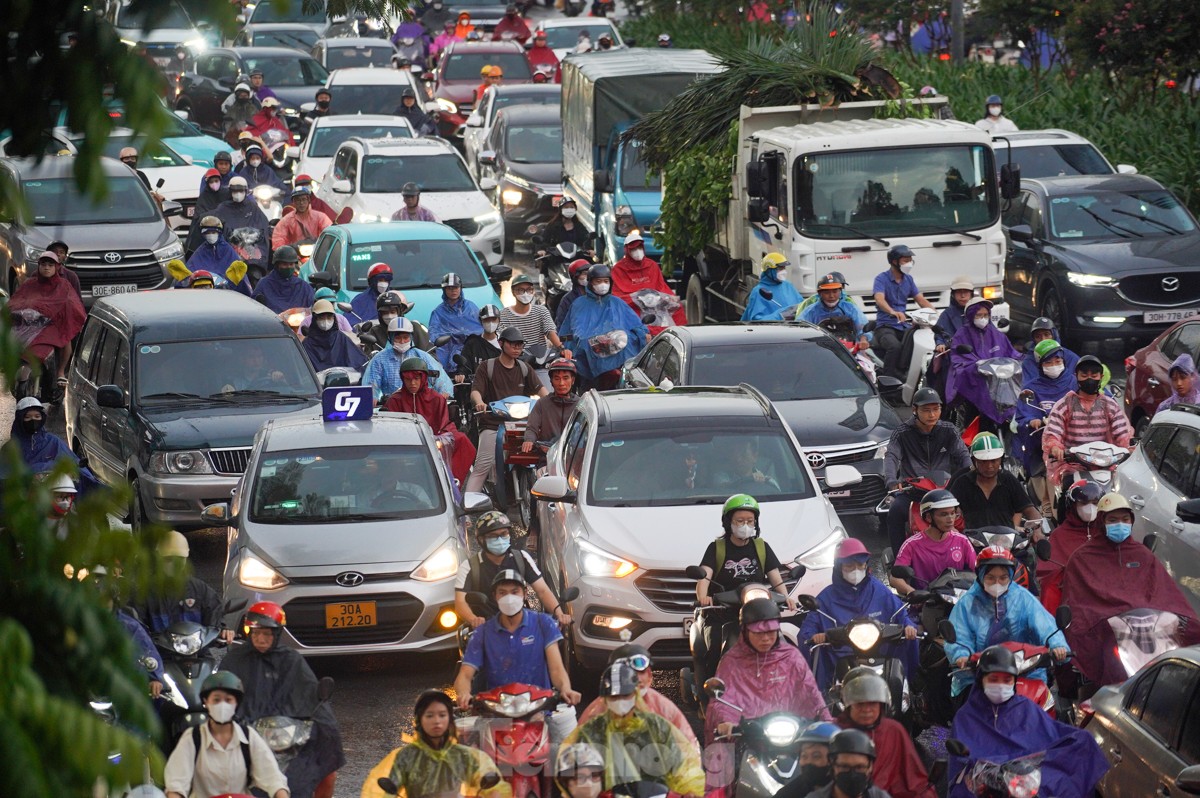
column 350, row 614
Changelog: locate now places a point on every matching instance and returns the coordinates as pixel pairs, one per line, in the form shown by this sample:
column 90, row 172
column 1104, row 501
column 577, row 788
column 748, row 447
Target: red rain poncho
column 55, row 299
column 1068, row 536
column 431, row 405
column 630, row 276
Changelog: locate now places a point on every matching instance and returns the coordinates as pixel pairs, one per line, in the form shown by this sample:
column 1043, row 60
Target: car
column 369, row 90
column 1147, row 383
column 620, row 522
column 1104, row 257
column 293, row 37
column 1147, row 729
column 352, row 527
column 366, row 176
column 359, row 25
column 328, row 132
column 457, row 77
column 1054, row 153
column 563, row 34
column 174, row 39
column 419, row 254
column 523, row 155
column 155, row 398
column 1159, row 475
column 270, row 14
column 830, row 405
column 121, row 243
column 476, row 128
column 292, row 75
column 340, row 53
column 485, row 14
column 178, row 133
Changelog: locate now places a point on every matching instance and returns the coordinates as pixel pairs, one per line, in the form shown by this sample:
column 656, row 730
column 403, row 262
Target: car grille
column 1151, row 289
column 464, row 227
column 670, row 591
column 137, row 267
column 864, row 497
column 672, row 648
column 229, row 461
column 397, row 614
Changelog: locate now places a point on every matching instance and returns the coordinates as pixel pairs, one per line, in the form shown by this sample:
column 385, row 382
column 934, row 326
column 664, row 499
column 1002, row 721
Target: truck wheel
column 694, row 300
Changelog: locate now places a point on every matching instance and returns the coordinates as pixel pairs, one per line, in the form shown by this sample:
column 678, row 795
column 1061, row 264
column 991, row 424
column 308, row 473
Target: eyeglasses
column 639, row 662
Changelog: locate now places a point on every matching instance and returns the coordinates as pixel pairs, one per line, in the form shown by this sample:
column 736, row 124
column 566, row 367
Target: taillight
column 1129, row 364
column 1086, row 713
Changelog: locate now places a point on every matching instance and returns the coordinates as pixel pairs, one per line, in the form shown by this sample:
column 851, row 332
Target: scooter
column 768, row 747
column 514, row 468
column 555, row 279
column 1003, row 378
column 923, row 334
column 285, row 736
column 1098, row 461
column 267, row 198
column 842, row 328
column 511, row 728
column 188, row 658
column 916, row 488
column 1016, row 778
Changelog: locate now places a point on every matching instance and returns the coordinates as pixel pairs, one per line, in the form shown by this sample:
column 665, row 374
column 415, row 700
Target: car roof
column 389, row 146
column 1059, row 186
column 1182, row 414
column 396, row 429
column 61, row 166
column 187, row 315
column 353, row 41
column 527, row 89
column 360, row 120
column 368, row 76
column 486, row 47
column 574, row 22
column 371, row 232
column 690, row 402
column 1032, row 138
column 532, row 113
column 733, row 333
column 265, row 52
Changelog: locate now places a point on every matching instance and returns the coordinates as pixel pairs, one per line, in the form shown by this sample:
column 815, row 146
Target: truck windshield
column 635, row 175
column 896, row 191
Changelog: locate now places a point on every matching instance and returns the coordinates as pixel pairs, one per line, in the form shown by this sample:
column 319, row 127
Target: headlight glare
column 442, row 564
column 1090, row 280
column 781, row 731
column 595, row 561
column 863, row 636
column 253, row 572
column 821, row 555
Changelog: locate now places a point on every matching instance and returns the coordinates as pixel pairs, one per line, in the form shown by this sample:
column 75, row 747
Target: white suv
column 1054, row 153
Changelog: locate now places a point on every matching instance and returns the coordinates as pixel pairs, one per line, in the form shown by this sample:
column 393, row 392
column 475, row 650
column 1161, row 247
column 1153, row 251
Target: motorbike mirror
column 869, row 326
column 322, row 280
column 808, row 602
column 797, row 572
column 489, row 781
column 336, row 378
column 1027, row 396
column 916, row 596
column 325, row 688
column 714, row 686
column 946, row 631
column 889, row 385
column 500, row 272
column 367, row 338
column 1043, row 550
column 695, row 572
column 344, row 307
column 964, row 349
column 648, row 318
column 1150, row 541
column 767, row 295
column 1001, row 323
column 460, row 361
column 441, row 340
column 957, row 748
column 903, row 572
column 570, row 594
column 478, row 603
column 1062, row 616
column 388, row 786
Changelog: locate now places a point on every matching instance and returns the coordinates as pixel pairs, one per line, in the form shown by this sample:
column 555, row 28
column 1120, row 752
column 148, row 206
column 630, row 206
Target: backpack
column 519, row 564
column 760, row 549
column 490, row 367
column 245, row 749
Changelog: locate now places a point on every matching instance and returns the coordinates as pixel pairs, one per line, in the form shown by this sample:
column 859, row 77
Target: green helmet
column 1045, row 349
column 986, row 446
column 740, row 501
column 222, row 680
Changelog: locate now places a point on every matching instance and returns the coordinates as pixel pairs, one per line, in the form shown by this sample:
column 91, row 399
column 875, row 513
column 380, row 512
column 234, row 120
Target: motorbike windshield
column 345, row 484
column 383, row 173
column 59, row 202
column 415, row 264
column 231, row 370
column 820, row 371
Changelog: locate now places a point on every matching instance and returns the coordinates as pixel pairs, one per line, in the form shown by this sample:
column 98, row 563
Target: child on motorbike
column 579, row 770
column 898, row 768
column 938, row 547
column 964, row 383
column 1043, row 329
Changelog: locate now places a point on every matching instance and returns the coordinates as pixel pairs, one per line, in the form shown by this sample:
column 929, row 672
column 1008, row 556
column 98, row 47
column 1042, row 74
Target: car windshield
column 290, row 11
column 153, row 158
column 283, row 71
column 59, row 202
column 635, row 175
column 1118, row 214
column 927, row 189
column 346, row 484
column 223, row 370
column 174, row 19
column 1056, row 160
column 384, row 174
column 699, row 462
column 534, row 144
column 415, row 264
column 466, row 66
column 297, row 38
column 326, row 139
column 361, row 55
column 819, row 371
column 569, row 35
column 505, row 99
column 366, row 99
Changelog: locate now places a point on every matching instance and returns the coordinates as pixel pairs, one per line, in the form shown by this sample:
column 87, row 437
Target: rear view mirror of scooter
column 1043, row 550
column 1062, row 617
column 946, row 631
column 715, row 687
column 964, row 349
column 695, row 572
column 808, row 602
column 957, row 748
column 388, row 786
column 903, row 572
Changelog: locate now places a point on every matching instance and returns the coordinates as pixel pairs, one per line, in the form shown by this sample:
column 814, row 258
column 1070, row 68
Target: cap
column 270, row 102
column 522, row 279
column 237, row 182
column 212, row 173
column 127, row 152
column 512, row 335
column 634, row 239
column 322, row 306
column 664, row 37
column 48, row 255
column 30, row 402
column 831, row 280
column 962, row 283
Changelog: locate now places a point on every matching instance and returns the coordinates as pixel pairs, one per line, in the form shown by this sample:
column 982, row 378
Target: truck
column 603, row 94
column 833, row 188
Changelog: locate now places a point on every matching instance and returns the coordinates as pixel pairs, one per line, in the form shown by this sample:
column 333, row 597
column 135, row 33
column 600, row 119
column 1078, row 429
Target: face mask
column 491, row 326
column 214, row 185
column 323, row 104
column 1119, row 532
column 1054, row 372
column 996, row 591
column 637, row 255
column 237, row 196
column 981, row 322
column 743, row 531
column 63, row 506
column 620, row 706
column 582, row 280
column 30, row 426
column 212, row 237
column 497, row 545
column 781, row 275
column 325, row 324
column 222, row 712
column 855, row 576
column 1087, row 512
column 852, row 783
column 382, row 285
column 601, row 288
column 254, row 162
column 994, row 110
column 524, row 298
column 1090, row 387
column 568, row 213
column 998, row 693
column 510, row 605
column 815, row 775
column 285, row 273
column 401, row 347
column 906, row 267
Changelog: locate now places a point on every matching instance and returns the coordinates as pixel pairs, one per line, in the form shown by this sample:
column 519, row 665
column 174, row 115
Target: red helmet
column 563, row 364
column 202, row 276
column 992, row 556
column 579, row 265
column 378, row 269
column 264, row 615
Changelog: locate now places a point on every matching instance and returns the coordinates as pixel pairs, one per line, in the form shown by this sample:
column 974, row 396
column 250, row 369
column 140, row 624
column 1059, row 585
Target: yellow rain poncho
column 420, row 770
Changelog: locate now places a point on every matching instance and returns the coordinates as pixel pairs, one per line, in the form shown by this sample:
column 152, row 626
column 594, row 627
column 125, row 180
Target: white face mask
column 400, row 347
column 906, row 267
column 638, row 254
column 568, row 213
column 743, row 531
column 524, row 297
column 781, row 275
column 221, row 711
column 999, row 693
column 601, row 288
column 214, row 185
column 582, row 280
column 981, row 322
column 1054, row 372
column 491, row 326
column 1087, row 512
column 994, row 110
column 511, row 604
column 237, row 196
column 620, row 706
column 254, row 162
column 855, row 576
column 996, row 591
column 212, row 237
column 382, row 285
column 324, row 324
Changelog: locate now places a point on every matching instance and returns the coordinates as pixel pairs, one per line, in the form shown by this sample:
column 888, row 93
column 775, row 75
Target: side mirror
column 474, row 120
column 956, row 748
column 758, row 210
column 216, row 514
column 325, row 688
column 487, row 184
column 756, row 179
column 171, row 208
column 182, row 114
column 841, row 476
column 695, row 572
column 1188, row 511
column 474, row 503
column 1010, row 181
column 808, row 602
column 478, row 602
column 307, row 107
column 648, row 318
column 1021, row 232
column 321, row 279
column 767, row 295
column 570, row 595
column 228, row 83
column 946, row 631
column 1188, row 780
column 715, row 687
column 602, row 181
column 489, row 781
column 1043, row 550
column 964, row 349
column 342, row 187
column 500, row 272
column 293, row 151
column 1062, row 616
column 442, row 340
column 889, row 386
column 486, row 158
column 917, row 597
column 1002, row 323
column 904, row 572
column 427, row 76
column 110, row 396
column 1126, row 169
column 552, row 488
column 344, row 307
column 388, row 786
column 336, row 378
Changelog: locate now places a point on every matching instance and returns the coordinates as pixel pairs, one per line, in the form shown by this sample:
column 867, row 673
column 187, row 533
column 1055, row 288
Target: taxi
column 351, row 522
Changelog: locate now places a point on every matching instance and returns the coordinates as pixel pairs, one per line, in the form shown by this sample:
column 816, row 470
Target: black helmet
column 428, row 697
column 926, row 396
column 285, row 254
column 415, row 364
column 852, row 741
column 1085, row 490
column 222, row 680
column 407, row 92
column 899, row 251
column 393, row 299
column 997, row 659
column 628, row 651
column 937, row 499
column 410, row 189
column 1090, row 361
column 618, row 679
column 1041, row 323
column 489, row 312
column 599, row 272
column 512, row 335
column 449, row 279
column 993, row 99
column 507, row 575
column 759, row 609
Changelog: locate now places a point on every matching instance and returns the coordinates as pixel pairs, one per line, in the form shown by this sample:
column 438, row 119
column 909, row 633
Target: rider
column 579, row 768
column 367, row 303
column 851, row 767
column 62, row 502
column 954, row 317
column 413, row 210
column 923, row 443
column 215, row 255
column 481, row 346
column 965, row 383
column 740, row 555
column 534, row 321
column 563, row 228
column 279, row 682
column 814, row 764
column 638, row 658
column 833, row 302
column 244, row 224
column 774, row 293
column 326, row 345
column 435, row 762
column 495, row 379
column 255, row 171
column 578, row 270
column 417, row 397
column 222, row 757
column 493, row 533
column 51, row 295
column 197, row 603
column 1079, row 525
column 602, row 329
column 1083, row 416
column 635, row 273
column 988, row 494
column 549, row 417
column 41, row 449
column 892, row 290
column 540, row 56
column 493, row 651
column 282, row 289
column 998, row 610
column 938, row 547
column 304, row 224
column 383, row 370
column 456, row 316
column 511, row 24
column 997, row 726
column 1053, row 382
column 1043, row 329
column 411, row 112
column 994, row 121
column 212, row 193
column 1097, row 586
column 1182, row 374
column 237, row 111
column 898, row 768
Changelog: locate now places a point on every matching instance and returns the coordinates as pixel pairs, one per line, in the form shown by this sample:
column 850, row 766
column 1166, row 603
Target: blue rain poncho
column 215, row 259
column 458, row 320
column 783, row 295
column 591, row 315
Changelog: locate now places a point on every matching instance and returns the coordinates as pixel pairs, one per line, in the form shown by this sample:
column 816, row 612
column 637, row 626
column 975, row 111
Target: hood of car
column 446, row 204
column 459, row 92
column 1131, row 256
column 123, row 236
column 295, row 96
column 548, row 175
column 205, row 426
column 839, row 421
column 374, row 547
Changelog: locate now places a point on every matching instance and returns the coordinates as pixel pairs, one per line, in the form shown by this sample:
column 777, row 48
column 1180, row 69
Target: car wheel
column 693, row 300
column 137, row 513
column 523, row 499
column 1054, row 308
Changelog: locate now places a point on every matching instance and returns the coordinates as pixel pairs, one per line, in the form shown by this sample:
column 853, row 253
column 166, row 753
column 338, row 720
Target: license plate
column 113, row 290
column 838, row 494
column 687, row 626
column 1169, row 316
column 350, row 614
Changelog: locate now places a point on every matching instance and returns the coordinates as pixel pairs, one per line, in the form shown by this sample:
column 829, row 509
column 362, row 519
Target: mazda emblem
column 1170, row 283
column 350, row 579
column 112, row 257
column 816, row 460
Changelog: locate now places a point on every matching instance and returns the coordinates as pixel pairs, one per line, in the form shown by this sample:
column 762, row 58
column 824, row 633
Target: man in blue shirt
column 833, row 302
column 517, row 645
column 892, row 290
column 382, row 372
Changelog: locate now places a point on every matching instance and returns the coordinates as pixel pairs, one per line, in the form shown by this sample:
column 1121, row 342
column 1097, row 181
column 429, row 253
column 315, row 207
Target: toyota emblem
column 112, row 257
column 1170, row 283
column 350, row 579
column 816, row 460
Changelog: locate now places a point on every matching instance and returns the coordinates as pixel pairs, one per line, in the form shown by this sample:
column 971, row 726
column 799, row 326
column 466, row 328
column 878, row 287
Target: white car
column 369, row 90
column 328, row 132
column 1054, row 153
column 366, row 175
column 563, row 33
column 479, row 123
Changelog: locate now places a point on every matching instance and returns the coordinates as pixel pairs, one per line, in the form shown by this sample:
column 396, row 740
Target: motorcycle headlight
column 183, row 462
column 197, row 45
column 515, row 705
column 169, row 252
column 186, row 644
column 519, row 410
column 821, row 556
column 781, row 731
column 752, row 592
column 442, row 564
column 595, row 561
column 282, row 733
column 306, row 250
column 447, row 106
column 512, row 196
column 264, row 193
column 253, row 572
column 863, row 636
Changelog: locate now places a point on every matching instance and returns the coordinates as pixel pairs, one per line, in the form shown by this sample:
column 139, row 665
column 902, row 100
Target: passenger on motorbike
column 892, row 290
column 197, row 603
column 303, row 224
column 493, row 533
column 212, row 193
column 326, row 345
column 369, row 303
column 282, row 289
column 244, row 224
column 1183, row 379
column 62, row 502
column 772, row 279
column 964, row 383
column 998, row 610
column 954, row 317
column 222, row 757
column 456, row 316
column 534, row 321
column 1043, row 329
column 922, row 444
column 48, row 299
column 832, row 302
column 548, row 418
column 635, row 273
column 215, row 255
column 41, row 449
column 417, row 397
column 1097, row 585
column 815, row 764
column 988, row 495
column 741, row 555
column 434, row 763
column 490, row 651
column 998, row 726
column 938, row 547
column 1081, row 417
column 1080, row 524
column 279, row 682
column 854, row 593
column 563, row 227
column 637, row 743
column 578, row 270
column 1052, row 383
column 898, row 769
column 638, row 658
column 339, row 320
column 602, row 330
column 383, row 370
column 481, row 346
column 579, row 769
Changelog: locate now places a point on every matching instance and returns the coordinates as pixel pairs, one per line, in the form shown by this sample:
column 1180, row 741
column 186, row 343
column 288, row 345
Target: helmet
column 664, row 38
column 285, row 254
column 928, row 91
column 237, row 181
column 407, row 92
column 863, row 685
column 1114, row 501
column 322, row 307
column 563, row 364
column 265, row 615
column 410, row 189
column 222, row 680
column 576, row 756
column 451, row 280
column 628, row 652
column 1041, row 323
column 760, row 609
column 378, row 270
column 325, row 292
column 1085, row 490
column 491, row 521
column 994, row 99
column 173, row 545
column 962, row 283
column 393, row 299
column 63, row 484
column 852, row 741
column 413, row 364
column 997, row 659
column 831, row 280
column 938, row 499
column 211, row 223
column 819, row 732
column 773, row 260
column 578, row 265
column 489, row 312
column 301, row 191
column 1046, row 350
column 599, row 271
column 522, row 279
column 992, row 556
column 897, row 252
column 740, row 501
column 633, row 239
column 512, row 335
column 201, row 277
column 926, row 396
column 507, row 575
column 618, row 679
column 30, row 402
column 400, row 325
column 1089, row 361
column 986, row 446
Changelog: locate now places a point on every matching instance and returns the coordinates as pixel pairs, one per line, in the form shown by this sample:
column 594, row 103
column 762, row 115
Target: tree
column 1143, row 42
column 898, row 16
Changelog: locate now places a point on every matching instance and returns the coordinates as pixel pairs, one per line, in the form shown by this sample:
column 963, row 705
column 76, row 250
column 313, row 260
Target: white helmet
column 173, row 545
column 63, row 484
column 400, row 325
column 30, row 402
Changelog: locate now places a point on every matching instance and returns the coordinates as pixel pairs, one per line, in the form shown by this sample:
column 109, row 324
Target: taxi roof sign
column 350, row 403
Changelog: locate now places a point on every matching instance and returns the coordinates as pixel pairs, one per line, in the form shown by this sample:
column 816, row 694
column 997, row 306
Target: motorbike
column 1097, row 460
column 655, row 308
column 188, row 658
column 390, row 787
column 1003, row 378
column 286, row 736
column 104, row 708
column 922, row 337
column 33, row 379
column 511, row 727
column 1017, row 541
column 514, row 468
column 916, row 488
column 768, row 747
column 556, row 281
column 1016, row 778
column 842, row 328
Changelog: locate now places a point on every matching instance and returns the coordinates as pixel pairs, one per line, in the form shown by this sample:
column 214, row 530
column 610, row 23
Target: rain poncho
column 999, row 733
column 1045, row 393
column 362, row 307
column 643, row 745
column 383, row 372
column 816, row 312
column 280, row 682
column 246, row 228
column 1072, row 533
column 416, row 51
column 215, row 259
column 951, row 321
column 898, row 768
column 261, row 175
column 283, row 293
column 564, row 304
column 1029, row 364
column 42, row 450
column 783, row 295
column 591, row 315
column 142, row 645
column 198, row 603
column 964, row 381
column 206, row 202
column 630, row 276
column 981, row 621
column 420, row 770
column 53, row 303
column 655, row 702
column 332, row 347
column 457, row 320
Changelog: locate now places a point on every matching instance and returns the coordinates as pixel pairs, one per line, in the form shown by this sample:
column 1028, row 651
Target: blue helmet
column 994, row 99
column 819, row 732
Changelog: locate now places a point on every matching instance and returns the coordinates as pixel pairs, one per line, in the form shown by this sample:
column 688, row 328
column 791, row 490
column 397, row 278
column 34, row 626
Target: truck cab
column 628, row 196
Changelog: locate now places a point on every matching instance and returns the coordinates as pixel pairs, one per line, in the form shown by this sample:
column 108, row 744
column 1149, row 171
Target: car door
column 1138, row 478
column 1185, row 339
column 107, row 445
column 1177, row 477
column 555, row 514
column 117, row 433
column 473, row 135
column 493, row 143
column 85, row 415
column 1024, row 259
column 646, row 370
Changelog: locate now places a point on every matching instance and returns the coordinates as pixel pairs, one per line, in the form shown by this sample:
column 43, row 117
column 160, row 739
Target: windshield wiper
column 950, row 230
column 1148, row 220
column 1116, row 228
column 856, row 231
column 257, row 392
column 185, row 396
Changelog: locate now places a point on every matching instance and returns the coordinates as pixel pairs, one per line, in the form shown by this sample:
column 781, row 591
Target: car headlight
column 595, row 561
column 189, row 461
column 486, row 219
column 197, row 45
column 32, row 251
column 992, row 292
column 442, row 564
column 821, row 555
column 863, row 636
column 512, row 196
column 781, row 731
column 186, row 644
column 253, row 572
column 1090, row 280
column 881, row 452
column 447, row 106
column 169, row 252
